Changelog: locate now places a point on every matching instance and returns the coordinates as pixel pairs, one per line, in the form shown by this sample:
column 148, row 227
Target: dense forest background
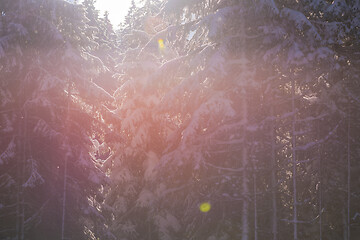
column 251, row 106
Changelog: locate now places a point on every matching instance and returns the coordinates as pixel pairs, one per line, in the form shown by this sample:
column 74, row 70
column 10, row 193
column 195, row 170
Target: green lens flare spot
column 205, row 207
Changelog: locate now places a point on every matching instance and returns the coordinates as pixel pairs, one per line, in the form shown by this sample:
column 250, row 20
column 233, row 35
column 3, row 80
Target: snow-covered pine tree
column 44, row 89
column 215, row 97
column 315, row 61
column 195, row 99
column 104, row 50
column 129, row 199
column 215, row 100
column 208, row 152
column 291, row 57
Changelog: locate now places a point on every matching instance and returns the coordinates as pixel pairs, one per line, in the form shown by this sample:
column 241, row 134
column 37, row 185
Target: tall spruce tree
column 51, row 181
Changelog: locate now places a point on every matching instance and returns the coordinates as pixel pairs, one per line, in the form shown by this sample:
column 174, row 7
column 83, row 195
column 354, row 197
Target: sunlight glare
column 117, row 9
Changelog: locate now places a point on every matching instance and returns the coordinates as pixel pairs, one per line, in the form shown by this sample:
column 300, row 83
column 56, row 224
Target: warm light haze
column 179, row 120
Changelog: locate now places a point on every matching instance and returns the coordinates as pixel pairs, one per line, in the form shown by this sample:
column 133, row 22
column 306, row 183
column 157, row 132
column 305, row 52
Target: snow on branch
column 98, row 92
column 171, row 64
column 271, row 5
column 45, row 129
column 6, row 181
column 356, row 98
column 96, row 61
column 17, row 28
column 166, row 222
column 224, row 168
column 9, row 152
column 4, row 42
column 37, row 214
column 155, row 38
column 8, row 124
column 311, row 118
column 301, row 22
column 302, row 221
column 312, row 144
column 35, row 178
column 146, row 198
column 142, row 35
column 216, row 20
column 217, row 104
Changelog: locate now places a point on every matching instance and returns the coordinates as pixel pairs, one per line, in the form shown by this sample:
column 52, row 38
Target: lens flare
column 161, row 44
column 205, row 207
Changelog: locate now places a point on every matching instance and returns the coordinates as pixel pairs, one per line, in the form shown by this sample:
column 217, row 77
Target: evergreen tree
column 48, row 173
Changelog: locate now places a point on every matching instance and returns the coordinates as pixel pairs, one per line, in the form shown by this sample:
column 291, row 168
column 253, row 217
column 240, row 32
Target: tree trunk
column 21, row 160
column 344, row 219
column 19, row 183
column 348, row 177
column 245, row 187
column 294, row 172
column 320, row 190
column 22, row 214
column 65, row 166
column 64, row 200
column 18, row 169
column 255, row 208
column 273, row 178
